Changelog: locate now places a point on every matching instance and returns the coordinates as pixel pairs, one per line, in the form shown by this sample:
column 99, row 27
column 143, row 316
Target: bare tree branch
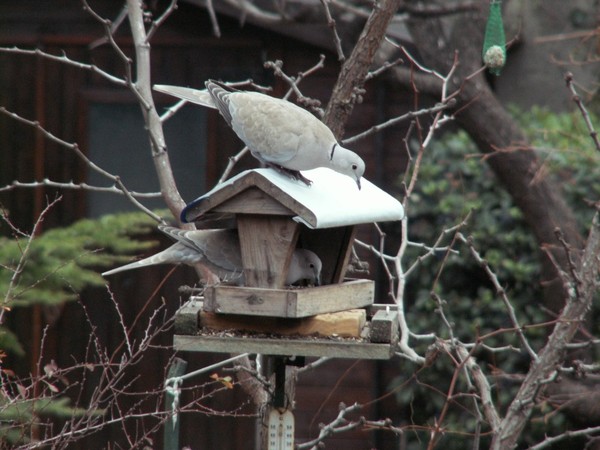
column 77, row 186
column 502, row 293
column 331, row 24
column 582, row 108
column 143, row 87
column 64, row 59
column 550, row 356
column 396, row 120
column 339, row 425
column 349, row 85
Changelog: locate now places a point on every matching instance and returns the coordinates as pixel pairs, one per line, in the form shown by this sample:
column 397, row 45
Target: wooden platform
column 322, row 335
column 285, row 347
column 291, row 303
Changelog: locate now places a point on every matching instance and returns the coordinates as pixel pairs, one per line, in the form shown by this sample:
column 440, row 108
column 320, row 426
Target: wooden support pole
column 279, row 395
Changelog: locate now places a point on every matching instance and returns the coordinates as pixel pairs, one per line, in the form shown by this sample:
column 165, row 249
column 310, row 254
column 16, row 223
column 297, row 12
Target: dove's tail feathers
column 160, row 258
column 220, row 95
column 196, row 96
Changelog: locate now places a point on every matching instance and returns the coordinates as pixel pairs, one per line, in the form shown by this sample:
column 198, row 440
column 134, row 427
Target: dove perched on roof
column 219, row 250
column 278, row 133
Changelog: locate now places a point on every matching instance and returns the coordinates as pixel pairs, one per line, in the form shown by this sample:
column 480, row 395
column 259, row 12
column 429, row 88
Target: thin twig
column 114, row 27
column 586, row 116
column 396, row 120
column 108, row 32
column 339, row 425
column 336, row 37
column 74, row 147
column 77, row 186
column 64, row 59
column 231, row 164
column 551, row 440
column 313, row 104
column 18, row 270
column 158, row 22
column 385, row 66
column 502, row 293
column 213, row 18
column 574, row 278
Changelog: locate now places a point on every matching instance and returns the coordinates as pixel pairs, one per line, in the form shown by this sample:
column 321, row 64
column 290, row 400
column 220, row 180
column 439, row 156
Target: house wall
column 61, row 97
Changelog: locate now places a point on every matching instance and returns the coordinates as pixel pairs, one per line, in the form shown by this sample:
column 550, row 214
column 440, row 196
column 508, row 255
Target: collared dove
column 280, row 134
column 219, row 250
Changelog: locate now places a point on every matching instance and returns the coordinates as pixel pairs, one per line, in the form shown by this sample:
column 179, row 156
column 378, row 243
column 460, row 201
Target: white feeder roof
column 333, row 200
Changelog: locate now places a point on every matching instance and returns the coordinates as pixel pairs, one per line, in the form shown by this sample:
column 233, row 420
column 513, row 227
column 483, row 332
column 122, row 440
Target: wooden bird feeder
column 275, row 215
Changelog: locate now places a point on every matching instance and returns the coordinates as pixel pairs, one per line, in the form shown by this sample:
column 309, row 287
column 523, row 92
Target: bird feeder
column 274, row 215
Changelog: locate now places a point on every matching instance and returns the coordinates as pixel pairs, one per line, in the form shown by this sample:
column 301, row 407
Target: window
column 119, row 144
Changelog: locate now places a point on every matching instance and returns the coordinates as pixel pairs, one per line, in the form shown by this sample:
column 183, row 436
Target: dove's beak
column 316, row 276
column 358, row 183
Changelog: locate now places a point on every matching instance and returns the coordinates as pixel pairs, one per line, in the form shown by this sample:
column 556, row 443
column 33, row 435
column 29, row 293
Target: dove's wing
column 220, row 249
column 220, row 98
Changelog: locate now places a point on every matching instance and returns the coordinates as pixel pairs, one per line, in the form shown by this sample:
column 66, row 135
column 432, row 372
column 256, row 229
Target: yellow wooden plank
column 344, row 324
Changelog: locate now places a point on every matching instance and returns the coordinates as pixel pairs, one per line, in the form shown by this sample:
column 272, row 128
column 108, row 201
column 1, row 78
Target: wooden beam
column 253, row 201
column 291, row 303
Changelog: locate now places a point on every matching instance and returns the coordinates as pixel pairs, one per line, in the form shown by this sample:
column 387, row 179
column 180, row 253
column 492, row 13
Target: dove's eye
column 354, row 167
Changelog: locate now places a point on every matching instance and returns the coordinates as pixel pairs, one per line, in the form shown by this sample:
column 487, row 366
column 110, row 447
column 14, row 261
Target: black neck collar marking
column 332, row 151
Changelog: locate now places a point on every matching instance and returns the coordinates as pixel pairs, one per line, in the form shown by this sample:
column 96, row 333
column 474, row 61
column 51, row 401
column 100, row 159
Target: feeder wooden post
column 267, row 244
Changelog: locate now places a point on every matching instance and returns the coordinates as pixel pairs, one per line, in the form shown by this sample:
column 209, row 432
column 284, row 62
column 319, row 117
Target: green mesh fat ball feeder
column 494, row 42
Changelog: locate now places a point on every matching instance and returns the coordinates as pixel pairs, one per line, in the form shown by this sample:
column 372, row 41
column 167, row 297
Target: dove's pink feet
column 294, row 174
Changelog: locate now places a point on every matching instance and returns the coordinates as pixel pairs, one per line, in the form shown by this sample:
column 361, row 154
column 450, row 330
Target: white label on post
column 281, row 430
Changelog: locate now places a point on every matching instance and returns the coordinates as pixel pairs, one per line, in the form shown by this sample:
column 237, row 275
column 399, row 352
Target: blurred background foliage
column 53, row 268
column 60, row 262
column 454, row 181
